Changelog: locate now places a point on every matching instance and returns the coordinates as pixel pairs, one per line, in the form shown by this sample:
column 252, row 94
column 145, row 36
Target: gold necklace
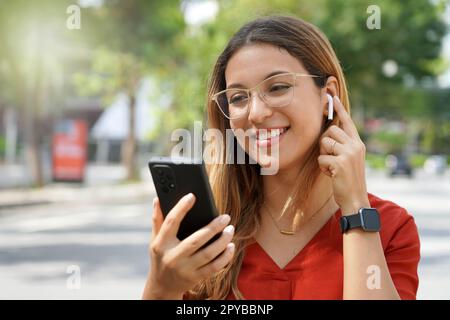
column 291, row 232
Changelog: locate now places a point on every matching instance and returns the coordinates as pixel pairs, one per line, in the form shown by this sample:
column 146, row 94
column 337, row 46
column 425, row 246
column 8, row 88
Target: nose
column 258, row 109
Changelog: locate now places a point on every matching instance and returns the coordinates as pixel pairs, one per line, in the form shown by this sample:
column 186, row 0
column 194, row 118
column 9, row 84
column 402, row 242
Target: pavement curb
column 57, row 193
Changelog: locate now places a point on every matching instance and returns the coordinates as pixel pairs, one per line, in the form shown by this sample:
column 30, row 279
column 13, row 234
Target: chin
column 272, row 165
column 289, row 161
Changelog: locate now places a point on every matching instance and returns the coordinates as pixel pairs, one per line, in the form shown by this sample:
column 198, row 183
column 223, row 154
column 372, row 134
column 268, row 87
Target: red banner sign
column 69, row 150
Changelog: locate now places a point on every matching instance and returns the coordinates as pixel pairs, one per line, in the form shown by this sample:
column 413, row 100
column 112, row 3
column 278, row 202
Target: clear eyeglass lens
column 276, row 91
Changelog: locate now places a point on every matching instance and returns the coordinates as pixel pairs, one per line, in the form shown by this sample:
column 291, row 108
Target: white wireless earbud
column 330, row 107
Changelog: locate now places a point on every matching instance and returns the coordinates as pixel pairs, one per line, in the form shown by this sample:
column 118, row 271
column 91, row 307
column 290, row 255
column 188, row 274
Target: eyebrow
column 238, row 85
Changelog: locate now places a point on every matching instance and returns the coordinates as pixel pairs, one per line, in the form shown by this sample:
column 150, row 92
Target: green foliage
column 418, row 160
column 393, row 142
column 436, row 137
column 375, row 161
column 378, row 161
column 32, row 39
column 111, row 72
column 410, row 34
column 2, row 146
column 130, row 40
column 126, row 40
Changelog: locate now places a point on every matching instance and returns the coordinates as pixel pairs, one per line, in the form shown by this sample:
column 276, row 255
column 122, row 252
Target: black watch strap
column 351, row 221
column 367, row 219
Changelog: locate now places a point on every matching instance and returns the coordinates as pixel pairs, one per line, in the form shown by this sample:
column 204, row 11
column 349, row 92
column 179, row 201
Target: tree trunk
column 33, row 103
column 11, row 132
column 32, row 150
column 129, row 147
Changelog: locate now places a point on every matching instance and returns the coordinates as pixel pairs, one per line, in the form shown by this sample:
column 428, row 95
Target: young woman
column 310, row 231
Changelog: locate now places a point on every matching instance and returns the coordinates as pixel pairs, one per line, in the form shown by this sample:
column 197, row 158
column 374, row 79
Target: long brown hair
column 238, row 188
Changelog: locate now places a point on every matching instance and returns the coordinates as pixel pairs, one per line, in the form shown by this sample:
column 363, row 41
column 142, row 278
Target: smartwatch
column 367, row 219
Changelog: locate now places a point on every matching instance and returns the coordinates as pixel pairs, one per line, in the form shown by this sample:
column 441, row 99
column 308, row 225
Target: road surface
column 98, row 249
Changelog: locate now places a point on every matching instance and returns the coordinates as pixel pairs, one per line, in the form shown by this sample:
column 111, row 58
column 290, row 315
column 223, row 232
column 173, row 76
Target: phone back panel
column 173, row 181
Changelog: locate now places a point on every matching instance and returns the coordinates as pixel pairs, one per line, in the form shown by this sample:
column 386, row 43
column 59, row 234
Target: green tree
column 130, row 40
column 410, row 36
column 32, row 37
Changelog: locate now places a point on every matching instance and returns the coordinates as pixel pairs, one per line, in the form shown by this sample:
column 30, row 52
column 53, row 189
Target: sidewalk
column 102, row 184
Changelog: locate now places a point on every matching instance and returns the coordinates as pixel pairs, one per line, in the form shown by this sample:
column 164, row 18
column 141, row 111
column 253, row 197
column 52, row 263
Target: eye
column 280, row 87
column 238, row 99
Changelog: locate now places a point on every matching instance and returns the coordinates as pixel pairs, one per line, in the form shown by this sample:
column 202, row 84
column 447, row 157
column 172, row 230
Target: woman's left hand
column 342, row 158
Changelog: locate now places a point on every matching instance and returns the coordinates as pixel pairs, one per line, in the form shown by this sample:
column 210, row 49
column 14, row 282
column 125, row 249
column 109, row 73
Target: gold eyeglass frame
column 249, row 91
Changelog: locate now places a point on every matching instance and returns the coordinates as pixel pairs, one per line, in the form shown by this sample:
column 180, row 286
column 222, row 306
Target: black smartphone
column 175, row 178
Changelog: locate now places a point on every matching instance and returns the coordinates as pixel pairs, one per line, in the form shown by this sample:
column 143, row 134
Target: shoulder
column 397, row 223
column 401, row 245
column 388, row 209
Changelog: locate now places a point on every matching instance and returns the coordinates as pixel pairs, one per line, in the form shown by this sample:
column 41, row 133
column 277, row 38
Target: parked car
column 398, row 165
column 435, row 164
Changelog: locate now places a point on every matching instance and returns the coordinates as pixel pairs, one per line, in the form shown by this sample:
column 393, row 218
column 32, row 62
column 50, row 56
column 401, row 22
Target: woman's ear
column 331, row 87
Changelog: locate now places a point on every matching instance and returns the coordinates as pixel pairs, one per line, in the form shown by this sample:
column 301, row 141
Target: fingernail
column 190, row 197
column 224, row 219
column 230, row 246
column 229, row 229
column 337, row 98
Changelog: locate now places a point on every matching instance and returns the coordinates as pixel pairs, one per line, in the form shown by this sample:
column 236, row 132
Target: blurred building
column 111, row 128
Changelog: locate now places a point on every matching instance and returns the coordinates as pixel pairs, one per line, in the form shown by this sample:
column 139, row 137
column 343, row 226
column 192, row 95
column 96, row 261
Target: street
column 427, row 198
column 105, row 239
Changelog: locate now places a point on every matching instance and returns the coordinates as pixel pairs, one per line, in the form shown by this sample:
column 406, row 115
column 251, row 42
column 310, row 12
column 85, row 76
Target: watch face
column 370, row 219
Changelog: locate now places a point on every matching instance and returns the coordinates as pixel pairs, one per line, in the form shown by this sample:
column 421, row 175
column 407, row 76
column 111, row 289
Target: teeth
column 268, row 134
column 275, row 133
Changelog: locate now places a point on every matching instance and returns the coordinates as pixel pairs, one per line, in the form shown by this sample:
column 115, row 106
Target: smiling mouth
column 269, row 134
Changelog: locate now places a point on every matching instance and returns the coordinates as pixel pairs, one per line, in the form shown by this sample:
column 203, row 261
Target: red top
column 316, row 272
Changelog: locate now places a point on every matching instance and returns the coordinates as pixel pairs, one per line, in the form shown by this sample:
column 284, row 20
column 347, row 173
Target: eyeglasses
column 276, row 91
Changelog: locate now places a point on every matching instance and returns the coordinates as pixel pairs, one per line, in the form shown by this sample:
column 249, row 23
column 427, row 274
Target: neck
column 277, row 189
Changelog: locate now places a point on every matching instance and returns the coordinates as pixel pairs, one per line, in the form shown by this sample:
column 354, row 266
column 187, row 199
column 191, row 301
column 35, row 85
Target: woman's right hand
column 176, row 266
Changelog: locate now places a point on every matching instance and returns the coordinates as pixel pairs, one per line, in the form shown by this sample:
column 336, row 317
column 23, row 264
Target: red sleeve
column 402, row 257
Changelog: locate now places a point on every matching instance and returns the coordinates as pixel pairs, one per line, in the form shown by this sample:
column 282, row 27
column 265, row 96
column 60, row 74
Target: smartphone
column 175, row 178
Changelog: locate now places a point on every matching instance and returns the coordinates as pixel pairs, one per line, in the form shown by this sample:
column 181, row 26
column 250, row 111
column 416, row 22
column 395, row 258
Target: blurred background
column 91, row 89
